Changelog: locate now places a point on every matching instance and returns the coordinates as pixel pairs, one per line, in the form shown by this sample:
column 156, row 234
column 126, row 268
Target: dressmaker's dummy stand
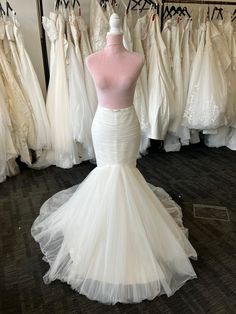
column 114, row 68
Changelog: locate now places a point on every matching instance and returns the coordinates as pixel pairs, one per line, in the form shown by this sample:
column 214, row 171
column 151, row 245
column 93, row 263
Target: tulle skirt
column 115, row 238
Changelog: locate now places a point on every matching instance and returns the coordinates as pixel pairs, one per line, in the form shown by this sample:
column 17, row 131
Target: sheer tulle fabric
column 110, row 237
column 207, row 94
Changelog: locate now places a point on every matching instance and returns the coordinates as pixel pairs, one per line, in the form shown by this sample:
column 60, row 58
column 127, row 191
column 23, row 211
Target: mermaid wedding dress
column 114, row 237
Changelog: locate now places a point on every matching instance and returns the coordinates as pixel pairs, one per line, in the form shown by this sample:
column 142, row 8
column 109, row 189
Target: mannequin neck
column 114, row 43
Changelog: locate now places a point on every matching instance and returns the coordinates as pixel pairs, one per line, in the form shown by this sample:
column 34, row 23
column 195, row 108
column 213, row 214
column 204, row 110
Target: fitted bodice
column 115, row 76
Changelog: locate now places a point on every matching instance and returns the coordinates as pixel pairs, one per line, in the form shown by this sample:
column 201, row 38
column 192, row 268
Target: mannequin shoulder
column 93, row 59
column 138, row 57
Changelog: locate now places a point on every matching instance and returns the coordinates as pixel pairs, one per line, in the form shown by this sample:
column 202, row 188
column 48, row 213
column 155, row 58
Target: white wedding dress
column 21, row 116
column 8, row 152
column 64, row 151
column 141, row 91
column 207, row 94
column 114, row 238
column 33, row 91
column 159, row 101
column 81, row 114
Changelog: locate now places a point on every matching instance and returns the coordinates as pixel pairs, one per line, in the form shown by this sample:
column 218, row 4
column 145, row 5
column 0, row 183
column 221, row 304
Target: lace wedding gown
column 114, row 237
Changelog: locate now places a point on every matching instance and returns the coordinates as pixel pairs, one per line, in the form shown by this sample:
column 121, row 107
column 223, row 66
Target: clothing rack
column 199, row 2
column 190, row 2
column 136, row 3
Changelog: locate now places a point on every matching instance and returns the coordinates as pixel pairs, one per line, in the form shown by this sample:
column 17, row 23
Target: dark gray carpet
column 196, row 175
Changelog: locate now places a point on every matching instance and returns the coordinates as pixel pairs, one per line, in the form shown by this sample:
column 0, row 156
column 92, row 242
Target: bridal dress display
column 114, row 237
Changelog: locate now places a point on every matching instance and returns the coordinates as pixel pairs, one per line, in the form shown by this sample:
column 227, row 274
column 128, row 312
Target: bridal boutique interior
column 185, row 101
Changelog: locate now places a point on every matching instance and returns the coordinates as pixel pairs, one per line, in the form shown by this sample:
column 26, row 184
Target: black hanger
column 103, row 3
column 169, row 11
column 114, row 3
column 66, row 3
column 219, row 15
column 61, row 2
column 76, row 2
column 57, row 4
column 208, row 13
column 176, row 11
column 185, row 12
column 179, row 11
column 149, row 3
column 234, row 15
column 8, row 7
column 138, row 5
column 2, row 12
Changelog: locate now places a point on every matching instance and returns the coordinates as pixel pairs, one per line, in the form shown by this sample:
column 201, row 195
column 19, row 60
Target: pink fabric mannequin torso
column 115, row 72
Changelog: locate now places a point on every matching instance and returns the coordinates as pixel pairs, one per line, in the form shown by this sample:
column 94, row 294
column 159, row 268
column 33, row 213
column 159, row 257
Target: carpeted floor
column 196, row 175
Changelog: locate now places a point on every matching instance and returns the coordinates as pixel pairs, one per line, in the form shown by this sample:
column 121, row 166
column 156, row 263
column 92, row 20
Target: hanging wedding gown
column 19, row 111
column 141, row 91
column 34, row 93
column 120, row 243
column 185, row 61
column 226, row 46
column 158, row 88
column 8, row 153
column 64, row 152
column 188, row 55
column 99, row 26
column 80, row 113
column 171, row 140
column 231, row 136
column 207, row 95
column 128, row 30
column 29, row 84
column 86, row 50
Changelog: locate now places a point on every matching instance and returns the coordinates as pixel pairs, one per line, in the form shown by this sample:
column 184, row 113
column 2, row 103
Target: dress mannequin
column 114, row 237
column 115, row 59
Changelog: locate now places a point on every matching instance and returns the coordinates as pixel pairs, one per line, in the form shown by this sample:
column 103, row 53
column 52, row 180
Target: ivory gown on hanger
column 207, row 94
column 141, row 91
column 29, row 84
column 20, row 112
column 81, row 114
column 8, row 152
column 64, row 151
column 114, row 237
